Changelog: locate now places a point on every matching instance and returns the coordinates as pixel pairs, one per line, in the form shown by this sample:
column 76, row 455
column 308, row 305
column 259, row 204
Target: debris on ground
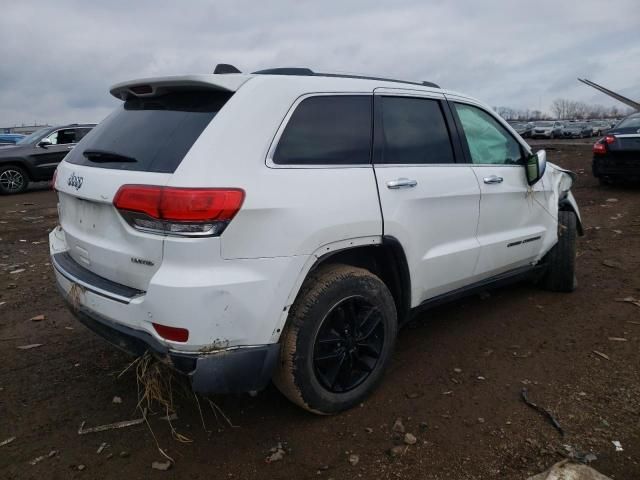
column 354, row 459
column 632, row 300
column 543, row 411
column 7, row 441
column 566, row 470
column 38, row 318
column 276, row 454
column 410, row 439
column 618, row 445
column 397, row 450
column 111, row 426
column 579, row 456
column 617, row 339
column 37, row 460
column 162, row 466
column 170, row 418
column 29, row 347
column 603, row 355
column 124, row 454
column 116, row 399
column 81, row 467
column 398, row 426
column 611, row 264
column 101, row 448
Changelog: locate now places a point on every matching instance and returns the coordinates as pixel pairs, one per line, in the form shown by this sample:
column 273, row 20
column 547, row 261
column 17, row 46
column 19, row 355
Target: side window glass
column 488, row 141
column 66, row 136
column 327, row 130
column 413, row 131
column 53, row 138
column 81, row 132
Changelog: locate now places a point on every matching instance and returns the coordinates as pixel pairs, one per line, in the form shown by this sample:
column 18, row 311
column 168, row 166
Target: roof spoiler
column 150, row 87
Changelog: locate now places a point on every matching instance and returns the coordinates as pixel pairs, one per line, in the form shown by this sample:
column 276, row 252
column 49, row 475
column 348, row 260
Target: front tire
column 561, row 259
column 13, row 179
column 339, row 339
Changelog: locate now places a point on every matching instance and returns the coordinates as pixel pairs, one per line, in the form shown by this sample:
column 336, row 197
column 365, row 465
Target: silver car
column 547, row 129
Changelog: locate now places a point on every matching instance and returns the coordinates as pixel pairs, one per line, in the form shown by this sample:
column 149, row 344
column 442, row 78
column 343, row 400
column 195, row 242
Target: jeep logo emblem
column 75, row 181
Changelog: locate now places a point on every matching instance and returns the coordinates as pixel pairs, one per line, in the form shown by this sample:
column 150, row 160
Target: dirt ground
column 455, row 381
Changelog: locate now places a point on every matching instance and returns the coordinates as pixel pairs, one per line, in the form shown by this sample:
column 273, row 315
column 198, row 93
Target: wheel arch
column 18, row 162
column 568, row 204
column 384, row 257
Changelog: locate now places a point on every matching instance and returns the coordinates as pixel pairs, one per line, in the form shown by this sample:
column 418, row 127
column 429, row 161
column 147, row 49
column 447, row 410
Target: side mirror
column 44, row 143
column 536, row 165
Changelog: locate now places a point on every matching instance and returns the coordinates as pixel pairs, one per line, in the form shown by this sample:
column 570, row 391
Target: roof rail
column 302, row 71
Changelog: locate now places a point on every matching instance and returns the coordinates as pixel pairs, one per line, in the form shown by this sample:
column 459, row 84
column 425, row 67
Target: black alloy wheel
column 348, row 344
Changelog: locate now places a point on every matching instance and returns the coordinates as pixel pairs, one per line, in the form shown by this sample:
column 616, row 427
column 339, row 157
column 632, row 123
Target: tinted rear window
column 327, row 130
column 413, row 131
column 156, row 132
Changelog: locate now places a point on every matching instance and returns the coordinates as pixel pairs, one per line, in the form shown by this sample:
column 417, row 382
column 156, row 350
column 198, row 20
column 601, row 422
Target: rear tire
column 561, row 259
column 13, row 179
column 339, row 339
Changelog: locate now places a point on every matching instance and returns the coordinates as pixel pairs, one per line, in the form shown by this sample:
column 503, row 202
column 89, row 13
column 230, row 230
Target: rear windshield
column 149, row 134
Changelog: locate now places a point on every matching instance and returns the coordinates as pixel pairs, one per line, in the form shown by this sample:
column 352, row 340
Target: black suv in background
column 35, row 158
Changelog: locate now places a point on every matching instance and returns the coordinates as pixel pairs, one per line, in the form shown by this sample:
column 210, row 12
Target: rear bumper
column 232, row 370
column 610, row 165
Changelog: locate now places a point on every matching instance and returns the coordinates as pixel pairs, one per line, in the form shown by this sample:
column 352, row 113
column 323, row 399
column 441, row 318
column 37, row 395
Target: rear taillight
column 609, row 139
column 53, row 179
column 192, row 212
column 599, row 148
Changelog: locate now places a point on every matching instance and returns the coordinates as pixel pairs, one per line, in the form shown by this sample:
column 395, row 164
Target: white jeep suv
column 283, row 224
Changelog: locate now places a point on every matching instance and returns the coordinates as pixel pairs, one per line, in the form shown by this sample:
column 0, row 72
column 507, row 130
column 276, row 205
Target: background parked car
column 524, row 129
column 547, row 129
column 617, row 155
column 35, row 157
column 600, row 127
column 10, row 138
column 577, row 130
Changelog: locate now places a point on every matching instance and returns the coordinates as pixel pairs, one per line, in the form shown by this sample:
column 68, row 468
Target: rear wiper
column 105, row 156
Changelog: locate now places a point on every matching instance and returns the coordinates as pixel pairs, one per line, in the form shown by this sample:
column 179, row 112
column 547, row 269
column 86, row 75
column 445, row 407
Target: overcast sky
column 59, row 57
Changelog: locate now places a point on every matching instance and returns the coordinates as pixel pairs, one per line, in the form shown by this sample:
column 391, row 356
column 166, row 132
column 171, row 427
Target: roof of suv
column 145, row 87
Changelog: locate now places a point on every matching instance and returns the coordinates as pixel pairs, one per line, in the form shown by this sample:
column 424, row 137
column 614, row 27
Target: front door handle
column 493, row 179
column 401, row 183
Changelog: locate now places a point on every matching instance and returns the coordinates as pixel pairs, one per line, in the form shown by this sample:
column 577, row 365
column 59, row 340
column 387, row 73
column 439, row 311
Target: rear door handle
column 401, row 183
column 493, row 179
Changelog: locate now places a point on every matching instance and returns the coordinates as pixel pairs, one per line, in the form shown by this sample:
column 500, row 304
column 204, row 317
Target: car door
column 430, row 203
column 513, row 222
column 47, row 157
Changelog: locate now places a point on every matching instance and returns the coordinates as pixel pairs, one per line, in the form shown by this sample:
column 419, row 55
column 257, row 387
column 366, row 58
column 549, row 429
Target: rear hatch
column 141, row 143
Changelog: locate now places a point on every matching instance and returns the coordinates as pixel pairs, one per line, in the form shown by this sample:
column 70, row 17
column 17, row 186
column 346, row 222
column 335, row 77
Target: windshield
column 630, row 122
column 34, row 136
